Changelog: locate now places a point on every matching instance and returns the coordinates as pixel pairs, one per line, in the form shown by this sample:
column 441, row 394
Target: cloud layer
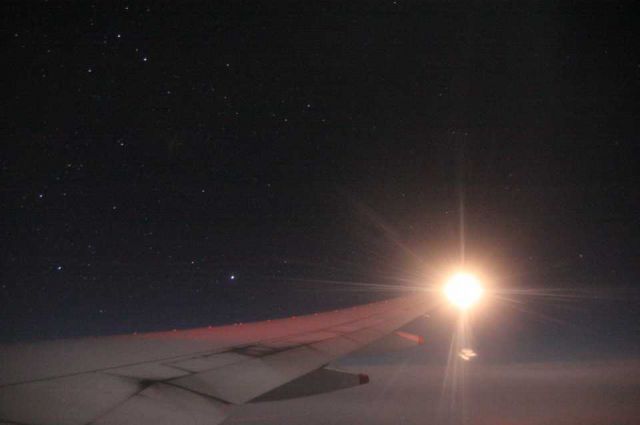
column 516, row 394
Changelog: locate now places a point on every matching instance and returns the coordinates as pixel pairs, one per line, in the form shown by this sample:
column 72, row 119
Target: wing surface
column 182, row 377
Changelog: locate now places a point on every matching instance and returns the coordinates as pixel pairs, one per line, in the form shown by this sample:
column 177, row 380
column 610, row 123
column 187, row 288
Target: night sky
column 173, row 165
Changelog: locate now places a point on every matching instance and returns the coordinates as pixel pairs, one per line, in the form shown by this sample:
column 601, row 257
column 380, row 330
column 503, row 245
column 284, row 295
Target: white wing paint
column 183, row 377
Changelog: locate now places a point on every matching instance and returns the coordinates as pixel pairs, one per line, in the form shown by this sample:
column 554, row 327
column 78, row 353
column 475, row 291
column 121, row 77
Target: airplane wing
column 182, row 377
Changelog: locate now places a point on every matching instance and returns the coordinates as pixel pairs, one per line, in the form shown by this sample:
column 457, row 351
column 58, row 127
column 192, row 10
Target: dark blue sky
column 181, row 164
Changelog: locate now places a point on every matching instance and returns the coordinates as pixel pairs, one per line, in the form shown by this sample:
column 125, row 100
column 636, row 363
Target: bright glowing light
column 463, row 290
column 467, row 354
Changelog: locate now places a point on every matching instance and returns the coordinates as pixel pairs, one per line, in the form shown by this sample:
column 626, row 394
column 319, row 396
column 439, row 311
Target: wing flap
column 204, row 363
column 336, row 347
column 162, row 404
column 317, row 382
column 241, row 382
column 73, row 400
column 149, row 371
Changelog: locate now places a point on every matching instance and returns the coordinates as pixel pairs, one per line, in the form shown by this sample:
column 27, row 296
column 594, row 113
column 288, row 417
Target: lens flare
column 467, row 354
column 463, row 290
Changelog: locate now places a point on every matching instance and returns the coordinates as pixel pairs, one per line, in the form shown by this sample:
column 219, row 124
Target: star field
column 173, row 165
